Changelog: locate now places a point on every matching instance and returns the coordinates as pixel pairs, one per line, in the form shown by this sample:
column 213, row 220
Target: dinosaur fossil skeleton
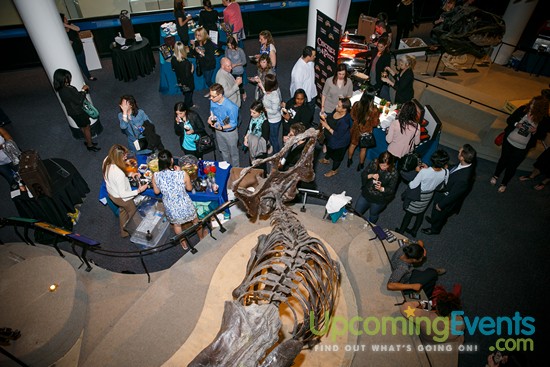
column 287, row 269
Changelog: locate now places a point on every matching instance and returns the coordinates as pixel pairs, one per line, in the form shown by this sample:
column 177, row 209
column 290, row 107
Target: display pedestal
column 148, row 224
column 92, row 58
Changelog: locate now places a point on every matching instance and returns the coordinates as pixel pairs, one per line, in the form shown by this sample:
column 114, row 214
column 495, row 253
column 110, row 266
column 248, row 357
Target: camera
column 524, row 129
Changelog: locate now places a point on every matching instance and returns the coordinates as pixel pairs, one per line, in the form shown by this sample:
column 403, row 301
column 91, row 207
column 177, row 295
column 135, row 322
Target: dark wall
column 278, row 21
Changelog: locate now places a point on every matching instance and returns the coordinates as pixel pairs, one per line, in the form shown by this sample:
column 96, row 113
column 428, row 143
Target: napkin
column 223, row 165
column 337, row 202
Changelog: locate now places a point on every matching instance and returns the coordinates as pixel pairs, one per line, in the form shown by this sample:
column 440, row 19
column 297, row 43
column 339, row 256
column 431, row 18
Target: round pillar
column 516, row 17
column 329, row 7
column 48, row 35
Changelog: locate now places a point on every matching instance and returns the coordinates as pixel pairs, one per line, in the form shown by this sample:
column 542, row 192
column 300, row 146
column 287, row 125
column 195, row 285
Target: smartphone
column 414, row 295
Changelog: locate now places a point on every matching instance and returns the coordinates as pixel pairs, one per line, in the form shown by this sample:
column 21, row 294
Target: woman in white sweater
column 272, row 104
column 118, row 186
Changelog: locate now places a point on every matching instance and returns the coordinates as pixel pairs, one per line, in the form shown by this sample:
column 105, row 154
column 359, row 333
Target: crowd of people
column 272, row 121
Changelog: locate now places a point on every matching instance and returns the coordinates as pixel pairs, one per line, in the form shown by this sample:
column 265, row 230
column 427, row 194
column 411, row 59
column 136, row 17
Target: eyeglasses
column 214, row 96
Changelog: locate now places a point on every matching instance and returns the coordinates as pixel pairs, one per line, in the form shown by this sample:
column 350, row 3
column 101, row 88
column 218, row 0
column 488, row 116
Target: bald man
column 229, row 83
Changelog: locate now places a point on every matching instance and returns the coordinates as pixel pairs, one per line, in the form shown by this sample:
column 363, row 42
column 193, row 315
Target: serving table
column 219, row 197
column 136, row 60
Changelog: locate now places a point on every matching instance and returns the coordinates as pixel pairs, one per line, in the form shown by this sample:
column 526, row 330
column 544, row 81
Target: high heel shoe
column 360, row 166
column 350, row 162
column 93, row 149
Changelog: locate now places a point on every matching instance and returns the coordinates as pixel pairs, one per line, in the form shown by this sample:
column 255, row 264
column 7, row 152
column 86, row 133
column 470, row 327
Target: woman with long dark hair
column 264, row 67
column 208, row 17
column 527, row 124
column 184, row 72
column 365, row 117
column 257, row 134
column 272, row 104
column 379, row 182
column 189, row 126
column 236, row 55
column 267, row 47
column 131, row 120
column 182, row 21
column 380, row 58
column 173, row 183
column 338, row 125
column 339, row 86
column 73, row 100
column 404, row 132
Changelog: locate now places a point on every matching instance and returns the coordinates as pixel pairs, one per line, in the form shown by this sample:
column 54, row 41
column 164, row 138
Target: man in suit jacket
column 229, row 83
column 449, row 200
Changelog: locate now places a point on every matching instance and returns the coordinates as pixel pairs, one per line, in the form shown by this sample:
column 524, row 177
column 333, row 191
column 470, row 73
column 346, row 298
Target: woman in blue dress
column 172, row 182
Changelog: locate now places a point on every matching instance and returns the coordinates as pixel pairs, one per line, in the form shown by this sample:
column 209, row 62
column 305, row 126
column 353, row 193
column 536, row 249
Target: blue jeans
column 374, row 209
column 7, row 171
column 81, row 59
column 274, row 136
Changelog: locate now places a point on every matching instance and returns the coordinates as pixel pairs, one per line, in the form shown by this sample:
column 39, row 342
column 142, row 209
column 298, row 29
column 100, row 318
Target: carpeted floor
column 496, row 248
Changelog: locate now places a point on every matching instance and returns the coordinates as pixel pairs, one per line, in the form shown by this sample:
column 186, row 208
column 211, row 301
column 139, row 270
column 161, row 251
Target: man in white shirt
column 303, row 76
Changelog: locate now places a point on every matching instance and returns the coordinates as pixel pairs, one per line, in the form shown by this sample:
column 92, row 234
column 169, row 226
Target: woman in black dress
column 72, row 100
column 208, row 17
column 181, row 21
column 403, row 79
column 184, row 73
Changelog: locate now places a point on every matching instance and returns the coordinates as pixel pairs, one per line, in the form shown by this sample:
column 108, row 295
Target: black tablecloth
column 138, row 60
column 68, row 188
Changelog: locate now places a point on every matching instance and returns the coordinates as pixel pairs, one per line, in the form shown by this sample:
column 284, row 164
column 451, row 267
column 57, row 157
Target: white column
column 342, row 13
column 329, row 7
column 45, row 28
column 516, row 17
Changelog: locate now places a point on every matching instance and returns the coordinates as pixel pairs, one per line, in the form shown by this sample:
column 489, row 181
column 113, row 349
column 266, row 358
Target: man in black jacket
column 449, row 200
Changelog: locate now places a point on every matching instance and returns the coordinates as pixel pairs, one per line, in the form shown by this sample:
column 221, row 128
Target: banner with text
column 327, row 41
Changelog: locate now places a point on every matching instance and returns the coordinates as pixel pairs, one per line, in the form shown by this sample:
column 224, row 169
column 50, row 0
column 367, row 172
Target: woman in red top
column 232, row 17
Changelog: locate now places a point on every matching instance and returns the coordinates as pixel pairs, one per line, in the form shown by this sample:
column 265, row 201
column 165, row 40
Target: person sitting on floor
column 405, row 277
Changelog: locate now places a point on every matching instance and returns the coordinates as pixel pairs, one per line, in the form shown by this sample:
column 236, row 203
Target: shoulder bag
column 410, row 160
column 89, row 108
column 205, row 143
column 499, row 139
column 367, row 140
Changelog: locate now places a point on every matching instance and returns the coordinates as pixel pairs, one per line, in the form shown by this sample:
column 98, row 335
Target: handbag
column 198, row 68
column 367, row 140
column 205, row 143
column 409, row 162
column 410, row 195
column 140, row 143
column 499, row 139
column 89, row 108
